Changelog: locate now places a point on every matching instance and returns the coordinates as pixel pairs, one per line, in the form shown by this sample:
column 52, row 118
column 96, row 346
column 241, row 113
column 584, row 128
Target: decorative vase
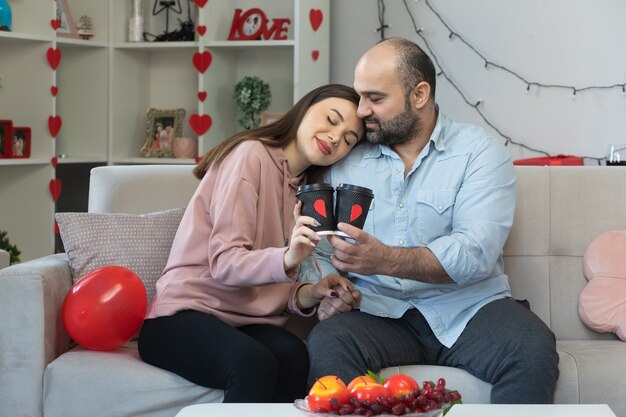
column 135, row 23
column 185, row 147
column 6, row 19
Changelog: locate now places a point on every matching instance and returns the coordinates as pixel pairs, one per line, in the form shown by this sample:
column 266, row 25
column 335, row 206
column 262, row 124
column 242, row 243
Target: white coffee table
column 460, row 410
column 530, row 410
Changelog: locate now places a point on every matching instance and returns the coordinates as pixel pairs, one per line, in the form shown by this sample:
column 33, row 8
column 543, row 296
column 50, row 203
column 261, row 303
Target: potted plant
column 252, row 97
column 12, row 249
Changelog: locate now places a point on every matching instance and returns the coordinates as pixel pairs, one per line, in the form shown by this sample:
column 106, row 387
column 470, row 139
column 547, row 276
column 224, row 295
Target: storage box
column 551, row 160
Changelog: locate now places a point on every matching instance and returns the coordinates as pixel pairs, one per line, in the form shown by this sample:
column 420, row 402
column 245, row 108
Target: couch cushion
column 117, row 384
column 140, row 243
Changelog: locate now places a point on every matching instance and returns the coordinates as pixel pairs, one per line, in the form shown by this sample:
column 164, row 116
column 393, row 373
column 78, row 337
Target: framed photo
column 6, row 135
column 162, row 127
column 267, row 118
column 67, row 28
column 21, row 142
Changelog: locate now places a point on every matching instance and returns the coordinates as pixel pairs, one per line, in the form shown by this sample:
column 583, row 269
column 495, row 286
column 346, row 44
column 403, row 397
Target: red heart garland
column 198, row 159
column 54, row 57
column 315, row 16
column 55, row 23
column 200, row 124
column 320, row 207
column 54, row 161
column 201, row 3
column 54, row 124
column 202, row 61
column 201, row 30
column 356, row 211
column 202, row 96
column 56, row 228
column 55, row 189
column 315, row 54
column 54, row 90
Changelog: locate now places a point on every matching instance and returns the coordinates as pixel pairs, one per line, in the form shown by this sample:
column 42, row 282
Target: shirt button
column 401, row 205
column 400, row 242
column 397, row 171
column 440, row 206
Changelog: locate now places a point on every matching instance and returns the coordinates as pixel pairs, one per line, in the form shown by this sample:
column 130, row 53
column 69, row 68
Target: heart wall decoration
column 55, row 189
column 54, row 57
column 315, row 55
column 54, row 125
column 202, row 61
column 200, row 123
column 316, row 17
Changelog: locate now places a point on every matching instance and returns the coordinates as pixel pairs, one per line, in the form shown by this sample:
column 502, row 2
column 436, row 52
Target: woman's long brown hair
column 280, row 132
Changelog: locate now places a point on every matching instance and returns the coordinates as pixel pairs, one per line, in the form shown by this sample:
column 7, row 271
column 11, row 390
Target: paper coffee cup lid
column 318, row 186
column 356, row 189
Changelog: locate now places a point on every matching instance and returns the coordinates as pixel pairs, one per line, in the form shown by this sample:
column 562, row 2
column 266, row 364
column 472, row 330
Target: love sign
column 253, row 24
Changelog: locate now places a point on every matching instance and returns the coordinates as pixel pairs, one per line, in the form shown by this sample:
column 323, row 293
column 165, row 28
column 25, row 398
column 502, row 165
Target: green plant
column 12, row 249
column 252, row 97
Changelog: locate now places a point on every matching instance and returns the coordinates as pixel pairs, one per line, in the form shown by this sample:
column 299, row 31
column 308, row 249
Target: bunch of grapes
column 430, row 397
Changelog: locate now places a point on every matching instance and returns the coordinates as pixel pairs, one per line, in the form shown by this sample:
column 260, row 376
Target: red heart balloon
column 316, row 17
column 55, row 189
column 54, row 161
column 315, row 54
column 54, row 90
column 201, row 30
column 200, row 123
column 55, row 23
column 202, row 61
column 202, row 95
column 54, row 57
column 356, row 211
column 320, row 207
column 54, row 124
column 201, row 3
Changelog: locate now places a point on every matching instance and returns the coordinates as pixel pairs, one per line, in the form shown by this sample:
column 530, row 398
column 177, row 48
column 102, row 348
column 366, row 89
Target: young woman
column 231, row 278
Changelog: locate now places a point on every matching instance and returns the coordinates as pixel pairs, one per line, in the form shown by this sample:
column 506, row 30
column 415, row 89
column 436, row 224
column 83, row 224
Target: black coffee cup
column 353, row 203
column 317, row 202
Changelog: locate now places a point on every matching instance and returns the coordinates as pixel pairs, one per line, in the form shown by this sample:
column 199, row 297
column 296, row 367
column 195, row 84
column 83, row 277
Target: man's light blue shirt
column 458, row 200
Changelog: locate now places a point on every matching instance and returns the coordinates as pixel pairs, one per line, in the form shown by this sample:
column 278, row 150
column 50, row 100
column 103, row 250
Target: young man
column 428, row 261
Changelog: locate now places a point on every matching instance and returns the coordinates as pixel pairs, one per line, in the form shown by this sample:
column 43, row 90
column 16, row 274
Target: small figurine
column 85, row 27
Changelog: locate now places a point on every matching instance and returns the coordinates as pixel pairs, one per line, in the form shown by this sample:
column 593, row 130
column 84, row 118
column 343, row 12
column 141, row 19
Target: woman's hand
column 330, row 286
column 303, row 239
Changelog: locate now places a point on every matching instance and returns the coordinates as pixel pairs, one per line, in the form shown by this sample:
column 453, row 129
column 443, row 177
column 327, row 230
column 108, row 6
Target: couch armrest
column 31, row 330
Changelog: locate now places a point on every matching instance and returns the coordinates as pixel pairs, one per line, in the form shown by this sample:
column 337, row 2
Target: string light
column 452, row 34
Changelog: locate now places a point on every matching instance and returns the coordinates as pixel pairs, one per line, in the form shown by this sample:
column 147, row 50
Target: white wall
column 575, row 43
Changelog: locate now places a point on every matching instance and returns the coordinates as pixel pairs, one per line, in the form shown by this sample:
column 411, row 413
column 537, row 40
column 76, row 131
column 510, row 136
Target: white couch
column 560, row 210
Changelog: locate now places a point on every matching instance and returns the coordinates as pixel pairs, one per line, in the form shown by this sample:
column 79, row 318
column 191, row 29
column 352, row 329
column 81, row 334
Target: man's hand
column 345, row 301
column 365, row 256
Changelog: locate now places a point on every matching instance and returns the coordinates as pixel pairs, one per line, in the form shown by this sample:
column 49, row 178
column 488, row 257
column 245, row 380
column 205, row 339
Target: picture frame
column 67, row 27
column 270, row 117
column 162, row 127
column 6, row 141
column 21, row 142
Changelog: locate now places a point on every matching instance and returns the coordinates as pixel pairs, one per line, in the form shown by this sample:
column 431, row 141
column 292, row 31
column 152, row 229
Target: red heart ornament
column 198, row 159
column 320, row 207
column 55, row 23
column 54, row 90
column 54, row 57
column 54, row 124
column 202, row 96
column 56, row 228
column 201, row 30
column 316, row 17
column 315, row 54
column 356, row 211
column 200, row 123
column 55, row 189
column 54, row 161
column 202, row 61
column 201, row 3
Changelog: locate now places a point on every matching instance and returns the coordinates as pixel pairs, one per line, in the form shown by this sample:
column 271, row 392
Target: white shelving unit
column 107, row 84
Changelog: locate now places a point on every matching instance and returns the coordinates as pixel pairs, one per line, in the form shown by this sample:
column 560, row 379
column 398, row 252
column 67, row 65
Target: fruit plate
column 303, row 406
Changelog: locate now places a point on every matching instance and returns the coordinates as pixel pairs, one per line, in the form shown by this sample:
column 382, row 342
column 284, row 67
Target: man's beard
column 400, row 129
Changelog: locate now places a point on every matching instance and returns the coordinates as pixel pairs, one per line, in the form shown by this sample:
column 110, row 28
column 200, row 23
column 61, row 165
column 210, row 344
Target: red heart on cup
column 54, row 90
column 200, row 123
column 54, row 57
column 320, row 207
column 55, row 23
column 356, row 211
column 315, row 54
column 54, row 161
column 202, row 95
column 54, row 124
column 202, row 61
column 55, row 189
column 201, row 30
column 316, row 17
column 201, row 3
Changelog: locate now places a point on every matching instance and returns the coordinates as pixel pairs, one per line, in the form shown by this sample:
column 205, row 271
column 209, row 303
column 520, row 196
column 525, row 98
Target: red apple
column 400, row 385
column 361, row 379
column 325, row 389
